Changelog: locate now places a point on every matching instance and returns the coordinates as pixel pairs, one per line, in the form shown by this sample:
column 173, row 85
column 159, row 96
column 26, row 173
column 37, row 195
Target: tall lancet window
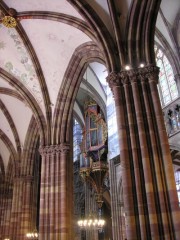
column 167, row 86
column 177, row 178
column 77, row 139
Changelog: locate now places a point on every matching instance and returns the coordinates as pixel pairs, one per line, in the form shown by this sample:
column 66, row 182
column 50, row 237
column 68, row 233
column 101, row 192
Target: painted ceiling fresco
column 15, row 59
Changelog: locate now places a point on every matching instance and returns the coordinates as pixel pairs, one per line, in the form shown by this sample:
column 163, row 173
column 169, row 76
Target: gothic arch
column 11, row 93
column 72, row 78
column 103, row 37
column 30, row 148
column 13, row 127
column 25, row 94
column 166, row 48
column 140, row 32
column 13, row 153
column 37, row 67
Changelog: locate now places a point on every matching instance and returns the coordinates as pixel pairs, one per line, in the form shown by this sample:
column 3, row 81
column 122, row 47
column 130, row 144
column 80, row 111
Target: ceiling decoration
column 15, row 59
column 34, row 54
column 9, row 21
column 61, row 6
column 54, row 49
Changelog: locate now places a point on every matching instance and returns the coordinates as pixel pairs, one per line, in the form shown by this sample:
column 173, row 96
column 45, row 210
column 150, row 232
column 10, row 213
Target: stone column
column 5, row 209
column 7, row 217
column 15, row 221
column 128, row 179
column 151, row 173
column 26, row 221
column 56, row 194
column 115, row 207
column 167, row 191
column 135, row 119
column 66, row 194
column 20, row 219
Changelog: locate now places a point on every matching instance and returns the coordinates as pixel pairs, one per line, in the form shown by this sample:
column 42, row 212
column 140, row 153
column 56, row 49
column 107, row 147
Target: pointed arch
column 11, row 93
column 30, row 148
column 12, row 151
column 12, row 125
column 31, row 102
column 103, row 37
column 87, row 52
column 38, row 70
column 140, row 32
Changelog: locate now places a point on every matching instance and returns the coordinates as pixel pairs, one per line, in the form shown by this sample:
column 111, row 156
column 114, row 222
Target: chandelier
column 32, row 235
column 91, row 223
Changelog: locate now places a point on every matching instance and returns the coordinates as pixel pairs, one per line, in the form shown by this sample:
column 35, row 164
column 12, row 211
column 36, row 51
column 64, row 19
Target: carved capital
column 54, row 149
column 113, row 80
column 152, row 73
column 46, row 150
column 142, row 75
column 124, row 77
column 133, row 75
column 65, row 147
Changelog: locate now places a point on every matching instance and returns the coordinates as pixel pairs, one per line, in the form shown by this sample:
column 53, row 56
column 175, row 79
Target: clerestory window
column 167, row 86
column 77, row 139
column 177, row 179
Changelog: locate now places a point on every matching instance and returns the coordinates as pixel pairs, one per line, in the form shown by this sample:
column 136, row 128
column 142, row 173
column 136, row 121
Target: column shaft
column 145, row 158
column 157, row 163
column 56, row 193
column 172, row 208
column 147, row 176
column 64, row 224
column 27, row 208
column 115, row 205
column 136, row 154
column 129, row 192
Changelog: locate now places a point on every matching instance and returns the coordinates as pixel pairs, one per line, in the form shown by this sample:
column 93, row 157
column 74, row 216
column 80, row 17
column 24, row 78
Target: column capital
column 65, row 147
column 113, row 80
column 124, row 77
column 53, row 149
column 133, row 75
column 142, row 76
column 151, row 72
column 23, row 178
column 117, row 79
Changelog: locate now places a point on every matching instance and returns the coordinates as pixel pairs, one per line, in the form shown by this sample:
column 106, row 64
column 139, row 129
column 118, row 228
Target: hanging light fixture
column 91, row 223
column 32, row 235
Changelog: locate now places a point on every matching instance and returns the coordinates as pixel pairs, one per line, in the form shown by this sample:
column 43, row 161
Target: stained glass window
column 167, row 86
column 77, row 139
column 177, row 178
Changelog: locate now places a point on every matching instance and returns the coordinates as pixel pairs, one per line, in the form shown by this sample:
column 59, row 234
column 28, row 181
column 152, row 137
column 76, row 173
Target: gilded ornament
column 9, row 22
column 89, row 102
